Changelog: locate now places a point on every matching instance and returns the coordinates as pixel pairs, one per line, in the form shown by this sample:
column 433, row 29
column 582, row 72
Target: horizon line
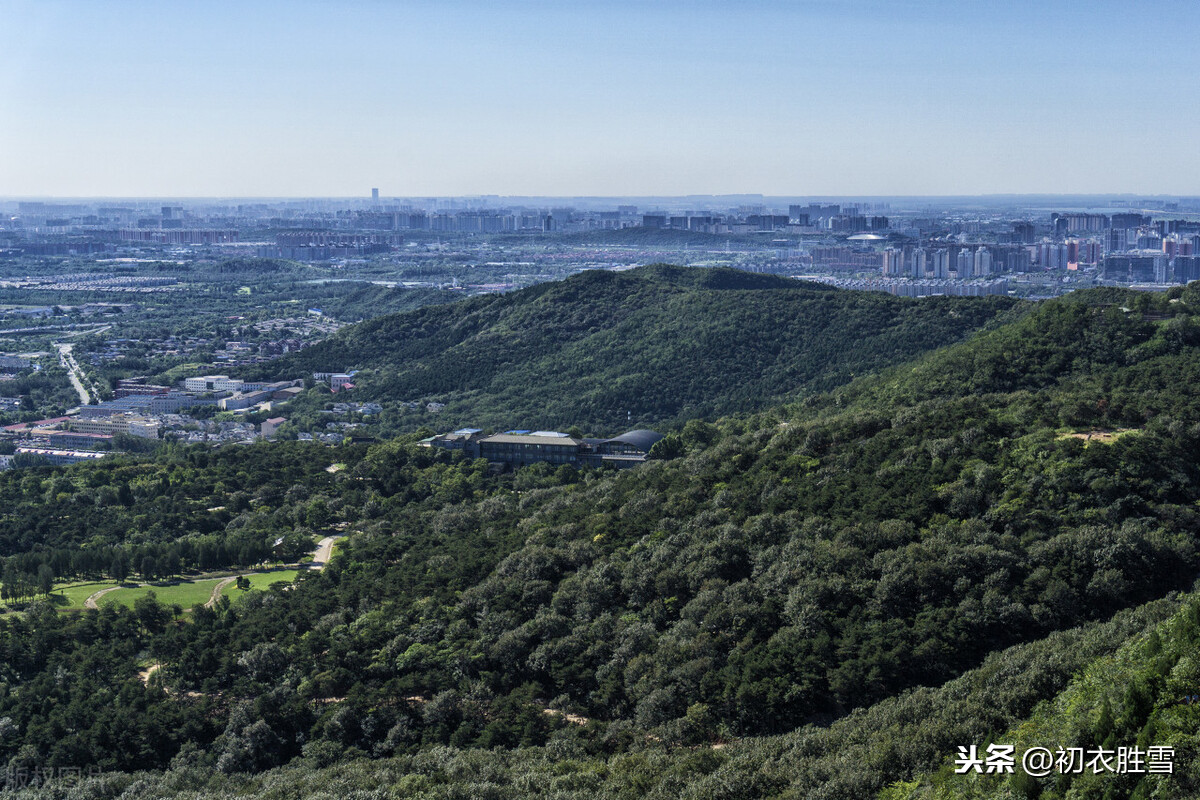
column 483, row 195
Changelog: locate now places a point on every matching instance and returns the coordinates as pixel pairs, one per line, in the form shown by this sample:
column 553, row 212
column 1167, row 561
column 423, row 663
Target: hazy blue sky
column 652, row 97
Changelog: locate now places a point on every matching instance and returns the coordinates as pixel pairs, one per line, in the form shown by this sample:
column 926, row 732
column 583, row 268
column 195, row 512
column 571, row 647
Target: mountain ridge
column 652, row 346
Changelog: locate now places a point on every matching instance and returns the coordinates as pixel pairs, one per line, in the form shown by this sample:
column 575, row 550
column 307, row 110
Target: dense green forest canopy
column 609, row 351
column 822, row 599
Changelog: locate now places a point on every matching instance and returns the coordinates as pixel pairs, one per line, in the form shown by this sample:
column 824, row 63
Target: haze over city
column 457, row 98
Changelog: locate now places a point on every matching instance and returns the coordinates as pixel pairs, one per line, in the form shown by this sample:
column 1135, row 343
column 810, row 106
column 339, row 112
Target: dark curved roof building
column 634, row 441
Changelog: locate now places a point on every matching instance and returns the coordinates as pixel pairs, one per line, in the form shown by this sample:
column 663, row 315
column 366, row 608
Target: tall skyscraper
column 983, row 262
column 374, row 195
column 893, row 261
column 964, row 263
column 918, row 264
column 941, row 263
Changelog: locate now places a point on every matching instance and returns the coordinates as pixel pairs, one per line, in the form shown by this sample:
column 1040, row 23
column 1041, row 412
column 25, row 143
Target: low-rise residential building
column 336, row 380
column 271, row 426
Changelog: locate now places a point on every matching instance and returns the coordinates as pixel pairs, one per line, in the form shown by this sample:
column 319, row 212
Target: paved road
column 68, row 363
column 323, row 552
column 92, row 332
column 79, row 378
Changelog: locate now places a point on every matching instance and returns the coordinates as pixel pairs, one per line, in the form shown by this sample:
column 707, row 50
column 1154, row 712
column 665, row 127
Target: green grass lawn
column 185, row 594
column 76, row 593
column 72, row 595
column 260, row 581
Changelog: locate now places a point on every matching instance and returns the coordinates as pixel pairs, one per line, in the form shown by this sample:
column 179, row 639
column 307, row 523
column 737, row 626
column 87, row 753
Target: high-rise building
column 983, row 262
column 1118, row 240
column 1024, row 232
column 1016, row 259
column 1187, row 269
column 919, row 262
column 1137, row 268
column 964, row 264
column 374, row 195
column 1052, row 256
column 1073, row 223
column 1129, row 220
column 941, row 263
column 893, row 261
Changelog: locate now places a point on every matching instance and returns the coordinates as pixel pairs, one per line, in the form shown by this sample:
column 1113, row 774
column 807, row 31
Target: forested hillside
column 824, row 599
column 609, row 351
column 1146, row 694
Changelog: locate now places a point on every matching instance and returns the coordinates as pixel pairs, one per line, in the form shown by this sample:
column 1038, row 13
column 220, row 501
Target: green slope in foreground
column 1147, row 694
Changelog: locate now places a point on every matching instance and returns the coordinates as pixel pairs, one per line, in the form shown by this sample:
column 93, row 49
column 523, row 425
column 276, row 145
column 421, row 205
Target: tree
column 148, row 611
column 45, row 579
column 29, row 460
column 119, row 569
column 668, row 447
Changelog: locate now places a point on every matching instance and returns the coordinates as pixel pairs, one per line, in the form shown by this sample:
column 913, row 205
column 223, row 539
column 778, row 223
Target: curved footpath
column 216, row 592
column 91, row 601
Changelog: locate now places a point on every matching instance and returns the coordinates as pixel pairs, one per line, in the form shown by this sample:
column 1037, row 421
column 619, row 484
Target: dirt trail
column 147, row 672
column 216, row 592
column 91, row 601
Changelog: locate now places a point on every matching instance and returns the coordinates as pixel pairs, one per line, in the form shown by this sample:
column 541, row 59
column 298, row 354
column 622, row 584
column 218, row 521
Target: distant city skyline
column 803, row 99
